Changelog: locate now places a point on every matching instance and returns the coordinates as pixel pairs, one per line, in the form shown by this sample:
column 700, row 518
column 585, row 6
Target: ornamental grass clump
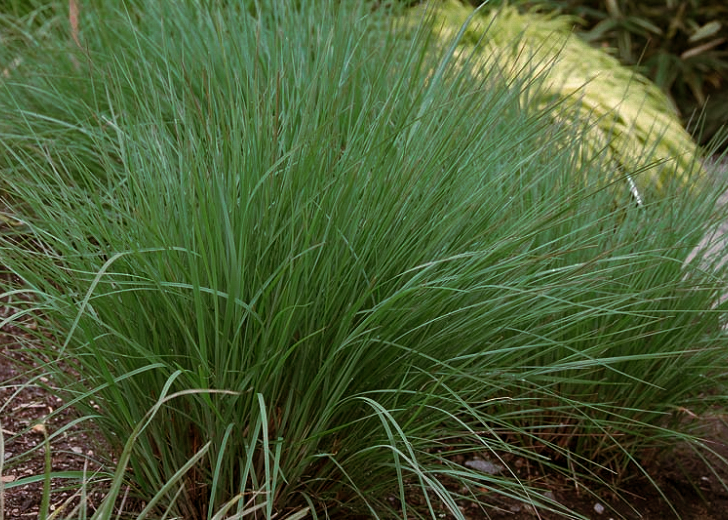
column 287, row 270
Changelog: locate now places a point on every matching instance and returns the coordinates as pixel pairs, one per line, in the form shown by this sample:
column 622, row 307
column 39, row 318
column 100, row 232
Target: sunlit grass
column 297, row 272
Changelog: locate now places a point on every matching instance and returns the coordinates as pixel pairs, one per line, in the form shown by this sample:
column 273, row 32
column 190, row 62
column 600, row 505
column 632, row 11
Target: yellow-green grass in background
column 622, row 111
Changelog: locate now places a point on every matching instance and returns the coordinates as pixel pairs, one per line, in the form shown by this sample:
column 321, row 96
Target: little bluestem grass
column 296, row 263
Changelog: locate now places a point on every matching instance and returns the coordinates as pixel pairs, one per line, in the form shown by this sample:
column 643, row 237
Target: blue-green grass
column 291, row 260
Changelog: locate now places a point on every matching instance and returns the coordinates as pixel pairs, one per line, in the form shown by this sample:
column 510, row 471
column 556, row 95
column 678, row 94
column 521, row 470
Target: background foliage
column 624, row 116
column 682, row 45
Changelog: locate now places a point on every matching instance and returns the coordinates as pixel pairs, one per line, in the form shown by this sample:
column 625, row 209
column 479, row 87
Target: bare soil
column 29, row 426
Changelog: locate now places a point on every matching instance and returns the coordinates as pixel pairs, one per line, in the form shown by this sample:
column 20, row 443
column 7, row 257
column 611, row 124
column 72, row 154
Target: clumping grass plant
column 291, row 263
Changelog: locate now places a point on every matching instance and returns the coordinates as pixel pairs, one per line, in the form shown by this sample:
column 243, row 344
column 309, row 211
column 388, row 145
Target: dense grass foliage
column 290, row 263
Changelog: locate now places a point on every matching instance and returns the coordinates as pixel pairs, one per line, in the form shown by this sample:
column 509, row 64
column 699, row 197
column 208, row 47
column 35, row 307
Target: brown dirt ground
column 26, row 420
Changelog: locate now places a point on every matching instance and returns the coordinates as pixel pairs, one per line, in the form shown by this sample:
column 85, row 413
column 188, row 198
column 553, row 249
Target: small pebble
column 598, row 508
column 485, row 466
